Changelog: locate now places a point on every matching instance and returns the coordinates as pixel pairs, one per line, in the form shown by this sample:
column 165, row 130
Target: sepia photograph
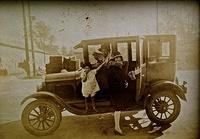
column 99, row 69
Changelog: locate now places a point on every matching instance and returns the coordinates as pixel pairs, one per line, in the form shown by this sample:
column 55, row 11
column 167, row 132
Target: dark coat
column 102, row 78
column 118, row 92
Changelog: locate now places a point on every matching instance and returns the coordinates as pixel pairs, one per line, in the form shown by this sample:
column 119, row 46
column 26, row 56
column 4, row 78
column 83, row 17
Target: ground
column 134, row 124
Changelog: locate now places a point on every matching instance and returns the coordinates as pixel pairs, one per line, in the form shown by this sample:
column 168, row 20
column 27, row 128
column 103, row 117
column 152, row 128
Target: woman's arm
column 133, row 73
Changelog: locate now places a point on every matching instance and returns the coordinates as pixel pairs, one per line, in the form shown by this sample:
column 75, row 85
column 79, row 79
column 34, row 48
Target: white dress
column 90, row 86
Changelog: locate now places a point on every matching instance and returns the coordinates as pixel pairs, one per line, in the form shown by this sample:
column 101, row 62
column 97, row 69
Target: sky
column 71, row 22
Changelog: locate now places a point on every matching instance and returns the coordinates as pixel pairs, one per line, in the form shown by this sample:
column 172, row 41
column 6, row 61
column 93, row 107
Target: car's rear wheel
column 163, row 107
column 41, row 117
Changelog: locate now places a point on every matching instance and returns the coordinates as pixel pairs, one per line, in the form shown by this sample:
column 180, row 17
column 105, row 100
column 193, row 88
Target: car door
column 161, row 64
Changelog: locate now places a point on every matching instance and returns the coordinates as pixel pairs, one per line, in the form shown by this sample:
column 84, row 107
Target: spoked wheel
column 41, row 117
column 163, row 107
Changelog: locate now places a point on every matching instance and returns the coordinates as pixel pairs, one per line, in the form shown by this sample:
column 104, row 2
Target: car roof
column 109, row 40
column 105, row 40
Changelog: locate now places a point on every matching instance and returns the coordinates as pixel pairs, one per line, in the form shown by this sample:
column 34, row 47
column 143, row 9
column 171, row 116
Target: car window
column 165, row 49
column 158, row 51
column 141, row 51
column 133, row 50
column 123, row 49
column 153, row 49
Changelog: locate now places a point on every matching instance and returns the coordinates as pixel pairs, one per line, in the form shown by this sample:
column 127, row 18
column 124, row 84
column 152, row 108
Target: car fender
column 45, row 95
column 160, row 85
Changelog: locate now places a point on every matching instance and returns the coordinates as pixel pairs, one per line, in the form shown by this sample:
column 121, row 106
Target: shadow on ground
column 134, row 125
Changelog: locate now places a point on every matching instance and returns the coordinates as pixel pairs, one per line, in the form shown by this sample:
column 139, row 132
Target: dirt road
column 135, row 124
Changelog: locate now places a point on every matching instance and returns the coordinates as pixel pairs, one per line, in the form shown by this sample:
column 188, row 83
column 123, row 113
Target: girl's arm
column 99, row 67
column 105, row 61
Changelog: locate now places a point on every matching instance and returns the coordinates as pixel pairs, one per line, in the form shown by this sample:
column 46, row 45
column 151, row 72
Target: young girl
column 89, row 84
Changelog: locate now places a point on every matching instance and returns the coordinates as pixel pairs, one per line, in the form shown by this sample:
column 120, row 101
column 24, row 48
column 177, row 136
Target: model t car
column 155, row 89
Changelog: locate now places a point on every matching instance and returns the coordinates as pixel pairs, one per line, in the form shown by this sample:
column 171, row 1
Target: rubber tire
column 173, row 116
column 30, row 106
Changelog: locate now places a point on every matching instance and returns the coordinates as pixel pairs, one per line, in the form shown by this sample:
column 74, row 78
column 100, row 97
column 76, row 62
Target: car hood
column 73, row 75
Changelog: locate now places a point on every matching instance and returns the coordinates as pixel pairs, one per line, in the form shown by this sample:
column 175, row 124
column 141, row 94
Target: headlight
column 40, row 86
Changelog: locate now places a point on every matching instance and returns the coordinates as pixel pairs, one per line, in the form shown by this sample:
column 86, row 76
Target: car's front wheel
column 163, row 107
column 41, row 117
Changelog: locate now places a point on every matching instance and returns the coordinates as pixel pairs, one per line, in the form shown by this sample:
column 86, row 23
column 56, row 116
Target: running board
column 98, row 102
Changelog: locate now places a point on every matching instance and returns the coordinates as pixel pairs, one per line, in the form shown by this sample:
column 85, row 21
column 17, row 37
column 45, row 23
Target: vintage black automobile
column 156, row 88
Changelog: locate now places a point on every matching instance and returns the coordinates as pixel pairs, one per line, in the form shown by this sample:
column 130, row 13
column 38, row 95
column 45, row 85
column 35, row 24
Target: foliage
column 43, row 38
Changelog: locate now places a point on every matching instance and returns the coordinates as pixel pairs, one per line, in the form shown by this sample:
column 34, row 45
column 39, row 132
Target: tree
column 43, row 38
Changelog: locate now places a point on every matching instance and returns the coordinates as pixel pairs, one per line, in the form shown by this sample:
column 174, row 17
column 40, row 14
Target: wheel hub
column 161, row 106
column 41, row 117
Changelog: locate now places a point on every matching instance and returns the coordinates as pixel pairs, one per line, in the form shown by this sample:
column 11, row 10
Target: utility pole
column 26, row 41
column 31, row 37
column 157, row 17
